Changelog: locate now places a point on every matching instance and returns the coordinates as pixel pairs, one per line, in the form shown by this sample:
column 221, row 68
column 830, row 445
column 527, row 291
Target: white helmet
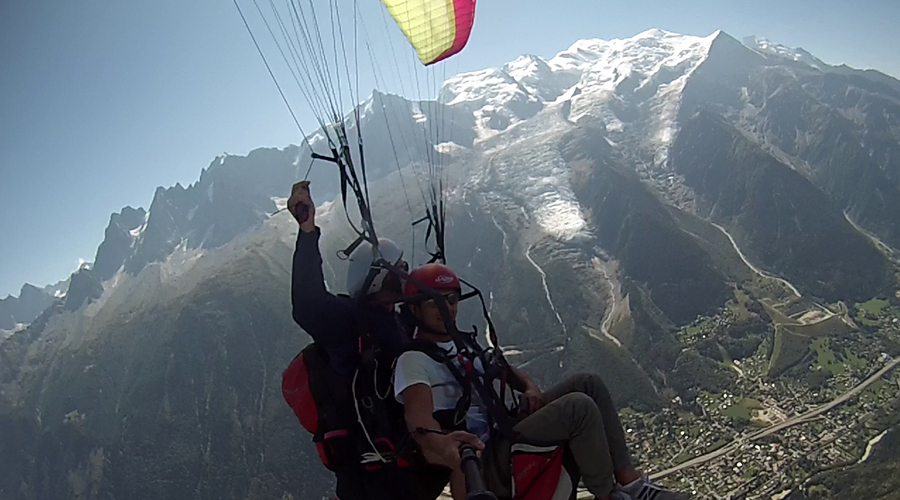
column 361, row 263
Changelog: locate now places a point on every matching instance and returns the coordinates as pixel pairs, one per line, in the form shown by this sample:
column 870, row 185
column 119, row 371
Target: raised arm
column 326, row 317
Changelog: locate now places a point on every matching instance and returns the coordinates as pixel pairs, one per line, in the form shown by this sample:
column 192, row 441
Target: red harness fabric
column 298, row 393
column 538, row 473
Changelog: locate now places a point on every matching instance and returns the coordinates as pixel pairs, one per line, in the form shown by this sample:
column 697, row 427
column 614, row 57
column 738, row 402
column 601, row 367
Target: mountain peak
column 770, row 48
column 24, row 308
column 644, row 49
column 723, row 35
column 654, row 33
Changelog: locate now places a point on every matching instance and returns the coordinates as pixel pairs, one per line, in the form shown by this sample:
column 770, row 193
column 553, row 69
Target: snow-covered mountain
column 770, row 48
column 600, row 198
column 640, row 78
column 634, row 86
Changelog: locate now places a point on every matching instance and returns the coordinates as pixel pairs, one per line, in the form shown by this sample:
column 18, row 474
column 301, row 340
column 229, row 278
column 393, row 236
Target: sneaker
column 645, row 490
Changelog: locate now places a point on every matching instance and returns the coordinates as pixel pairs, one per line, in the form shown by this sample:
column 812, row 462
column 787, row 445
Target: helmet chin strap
column 427, row 292
column 376, row 268
column 367, row 283
column 422, row 327
column 438, row 337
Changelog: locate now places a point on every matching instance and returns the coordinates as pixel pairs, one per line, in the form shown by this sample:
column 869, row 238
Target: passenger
column 578, row 412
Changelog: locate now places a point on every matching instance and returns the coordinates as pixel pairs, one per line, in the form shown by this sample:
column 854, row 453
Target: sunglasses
column 451, row 298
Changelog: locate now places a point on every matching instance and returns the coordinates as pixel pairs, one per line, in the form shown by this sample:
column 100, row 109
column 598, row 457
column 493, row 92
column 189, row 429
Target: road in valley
column 798, row 419
column 754, row 268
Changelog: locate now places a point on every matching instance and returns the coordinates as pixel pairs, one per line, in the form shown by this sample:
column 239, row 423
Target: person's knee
column 592, row 383
column 580, row 409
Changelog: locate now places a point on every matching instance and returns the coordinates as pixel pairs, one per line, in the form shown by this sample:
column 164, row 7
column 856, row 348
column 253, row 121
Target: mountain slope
column 171, row 397
column 841, row 130
column 610, row 202
column 778, row 217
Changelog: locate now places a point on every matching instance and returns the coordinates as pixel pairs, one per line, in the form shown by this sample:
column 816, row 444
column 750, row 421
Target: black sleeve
column 327, row 318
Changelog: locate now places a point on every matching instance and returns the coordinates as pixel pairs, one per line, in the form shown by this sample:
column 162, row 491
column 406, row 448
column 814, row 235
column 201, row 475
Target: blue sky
column 102, row 101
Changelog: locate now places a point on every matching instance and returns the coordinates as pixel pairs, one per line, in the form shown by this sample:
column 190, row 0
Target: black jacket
column 336, row 321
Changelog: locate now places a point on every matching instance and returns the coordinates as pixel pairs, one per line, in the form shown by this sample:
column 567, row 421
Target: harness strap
column 497, row 411
column 441, row 356
column 345, row 253
column 373, row 413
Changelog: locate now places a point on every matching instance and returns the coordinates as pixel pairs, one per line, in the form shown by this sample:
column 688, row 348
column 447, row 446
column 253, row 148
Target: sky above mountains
column 103, row 101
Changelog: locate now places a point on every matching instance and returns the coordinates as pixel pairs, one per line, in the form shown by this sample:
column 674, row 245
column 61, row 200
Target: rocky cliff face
column 600, row 200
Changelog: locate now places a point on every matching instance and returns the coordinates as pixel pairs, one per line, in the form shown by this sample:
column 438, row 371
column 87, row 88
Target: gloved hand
column 302, row 207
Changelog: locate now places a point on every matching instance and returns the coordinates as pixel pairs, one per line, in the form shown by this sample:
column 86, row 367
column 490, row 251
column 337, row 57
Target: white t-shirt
column 415, row 367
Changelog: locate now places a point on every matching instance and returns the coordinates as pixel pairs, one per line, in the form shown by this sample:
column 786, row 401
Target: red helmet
column 437, row 276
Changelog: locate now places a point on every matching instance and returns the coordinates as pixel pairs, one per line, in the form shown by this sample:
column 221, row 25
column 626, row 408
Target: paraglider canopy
column 320, row 43
column 437, row 29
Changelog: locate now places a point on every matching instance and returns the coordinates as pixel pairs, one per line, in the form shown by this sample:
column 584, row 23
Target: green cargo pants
column 579, row 412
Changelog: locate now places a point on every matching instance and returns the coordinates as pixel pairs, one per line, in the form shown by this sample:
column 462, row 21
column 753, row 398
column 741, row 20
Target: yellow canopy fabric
column 437, row 29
